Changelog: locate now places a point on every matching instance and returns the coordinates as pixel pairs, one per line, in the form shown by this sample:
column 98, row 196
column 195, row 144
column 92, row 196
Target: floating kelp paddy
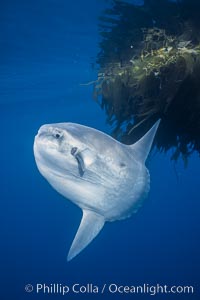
column 149, row 68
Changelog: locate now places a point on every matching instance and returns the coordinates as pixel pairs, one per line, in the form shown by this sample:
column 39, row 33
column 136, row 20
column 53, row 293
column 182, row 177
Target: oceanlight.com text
column 111, row 288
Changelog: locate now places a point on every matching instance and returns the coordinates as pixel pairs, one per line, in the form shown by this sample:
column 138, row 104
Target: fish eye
column 57, row 135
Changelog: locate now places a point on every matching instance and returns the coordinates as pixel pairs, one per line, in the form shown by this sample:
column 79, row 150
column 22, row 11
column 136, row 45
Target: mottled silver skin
column 112, row 182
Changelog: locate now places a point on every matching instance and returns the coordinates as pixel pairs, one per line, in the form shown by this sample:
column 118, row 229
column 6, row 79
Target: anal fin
column 90, row 226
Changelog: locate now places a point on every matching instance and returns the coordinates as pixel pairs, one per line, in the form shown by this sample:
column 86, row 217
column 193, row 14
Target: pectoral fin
column 81, row 165
column 90, row 226
column 84, row 159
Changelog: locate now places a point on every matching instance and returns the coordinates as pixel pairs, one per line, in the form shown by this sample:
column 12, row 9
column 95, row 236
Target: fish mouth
column 43, row 131
column 48, row 130
column 49, row 137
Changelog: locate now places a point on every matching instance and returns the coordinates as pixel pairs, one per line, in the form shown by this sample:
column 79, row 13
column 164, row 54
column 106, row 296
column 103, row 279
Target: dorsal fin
column 90, row 226
column 142, row 147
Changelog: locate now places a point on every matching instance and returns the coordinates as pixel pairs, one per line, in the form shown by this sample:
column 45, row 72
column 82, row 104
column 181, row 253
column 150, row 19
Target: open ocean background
column 46, row 51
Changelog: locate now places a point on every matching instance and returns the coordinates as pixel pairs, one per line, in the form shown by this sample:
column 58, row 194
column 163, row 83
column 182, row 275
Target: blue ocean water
column 46, row 51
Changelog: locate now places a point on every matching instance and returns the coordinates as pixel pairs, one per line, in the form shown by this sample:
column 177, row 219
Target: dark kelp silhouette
column 149, row 67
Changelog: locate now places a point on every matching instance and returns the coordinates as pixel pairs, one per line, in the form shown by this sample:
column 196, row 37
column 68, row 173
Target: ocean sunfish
column 106, row 179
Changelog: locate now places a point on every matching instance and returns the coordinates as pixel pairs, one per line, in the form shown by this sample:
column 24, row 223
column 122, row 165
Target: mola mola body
column 106, row 179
